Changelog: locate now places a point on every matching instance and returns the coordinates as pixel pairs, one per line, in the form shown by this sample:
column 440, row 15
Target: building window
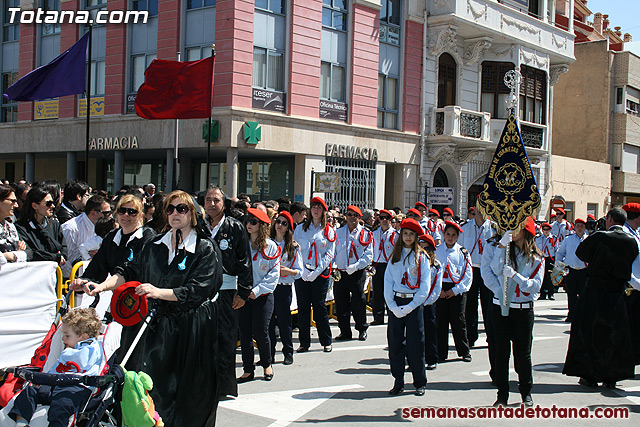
column 533, row 95
column 273, row 6
column 94, row 6
column 268, row 69
column 592, row 209
column 632, row 101
column 139, row 64
column 357, row 182
column 197, row 53
column 10, row 32
column 269, row 45
column 447, row 76
column 47, row 28
column 97, row 77
column 9, row 109
column 494, row 91
column 332, row 82
column 390, row 22
column 195, row 4
column 150, row 6
column 387, row 102
column 334, row 14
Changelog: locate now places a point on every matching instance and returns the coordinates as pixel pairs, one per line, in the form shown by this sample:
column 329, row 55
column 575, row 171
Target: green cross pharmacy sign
column 252, row 132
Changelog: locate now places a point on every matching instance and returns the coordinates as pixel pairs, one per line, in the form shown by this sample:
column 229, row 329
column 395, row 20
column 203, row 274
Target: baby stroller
column 97, row 410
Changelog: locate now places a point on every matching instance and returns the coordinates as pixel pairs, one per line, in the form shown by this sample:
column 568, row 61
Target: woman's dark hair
column 35, row 195
column 289, row 243
column 529, row 250
column 263, row 233
column 73, row 189
column 52, row 187
column 5, row 190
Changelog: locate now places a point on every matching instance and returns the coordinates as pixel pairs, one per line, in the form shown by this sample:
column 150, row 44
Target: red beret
column 260, row 215
column 454, row 225
column 580, row 220
column 591, row 217
column 553, row 215
column 420, row 204
column 384, row 211
column 447, row 211
column 560, row 211
column 546, row 225
column 415, row 212
column 319, row 200
column 631, row 207
column 530, row 226
column 128, row 308
column 471, row 209
column 434, row 212
column 289, row 218
column 427, row 238
column 412, row 225
column 355, row 209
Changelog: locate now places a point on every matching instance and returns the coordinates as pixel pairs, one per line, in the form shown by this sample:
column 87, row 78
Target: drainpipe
column 423, row 121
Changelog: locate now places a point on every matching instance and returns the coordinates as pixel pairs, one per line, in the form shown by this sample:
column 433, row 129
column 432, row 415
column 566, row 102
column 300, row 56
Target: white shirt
column 317, row 248
column 474, row 239
column 456, row 266
column 294, row 264
column 560, row 230
column 567, row 252
column 383, row 242
column 418, row 277
column 76, row 231
column 188, row 243
column 266, row 268
column 433, row 228
column 635, row 267
column 353, row 248
column 527, row 283
column 547, row 245
column 436, row 283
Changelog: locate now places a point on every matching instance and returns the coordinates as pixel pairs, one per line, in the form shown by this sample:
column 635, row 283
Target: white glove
column 313, row 275
column 397, row 312
column 351, row 269
column 508, row 272
column 506, row 239
column 406, row 309
column 305, row 275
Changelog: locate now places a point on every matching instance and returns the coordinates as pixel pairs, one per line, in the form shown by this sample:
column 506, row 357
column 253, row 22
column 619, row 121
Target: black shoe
column 419, row 391
column 587, row 382
column 541, row 297
column 302, row 349
column 466, row 358
column 396, row 390
column 343, row 337
column 500, row 401
column 610, row 384
column 268, row 377
column 288, row 360
column 248, row 378
column 432, row 367
column 327, row 348
column 527, row 401
column 377, row 322
column 552, row 298
column 362, row 336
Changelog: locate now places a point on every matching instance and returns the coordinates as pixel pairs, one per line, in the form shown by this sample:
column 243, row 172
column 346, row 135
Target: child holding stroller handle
column 83, row 354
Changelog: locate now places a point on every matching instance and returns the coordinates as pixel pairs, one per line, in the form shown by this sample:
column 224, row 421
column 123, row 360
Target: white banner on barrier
column 27, row 309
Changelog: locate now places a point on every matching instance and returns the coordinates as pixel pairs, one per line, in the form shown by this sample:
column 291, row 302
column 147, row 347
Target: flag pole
column 86, row 154
column 174, row 181
column 213, row 55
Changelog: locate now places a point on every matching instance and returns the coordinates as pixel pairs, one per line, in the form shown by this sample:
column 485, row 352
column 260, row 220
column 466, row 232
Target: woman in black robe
column 180, row 272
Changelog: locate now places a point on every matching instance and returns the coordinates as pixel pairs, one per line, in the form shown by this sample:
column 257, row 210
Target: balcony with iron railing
column 534, row 135
column 456, row 124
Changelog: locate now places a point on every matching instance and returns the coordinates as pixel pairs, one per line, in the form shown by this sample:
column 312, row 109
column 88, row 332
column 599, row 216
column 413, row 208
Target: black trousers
column 471, row 308
column 63, row 401
column 405, row 337
column 516, row 328
column 254, row 318
column 430, row 334
column 307, row 294
column 350, row 299
column 378, row 292
column 547, row 288
column 227, row 342
column 282, row 317
column 574, row 285
column 451, row 312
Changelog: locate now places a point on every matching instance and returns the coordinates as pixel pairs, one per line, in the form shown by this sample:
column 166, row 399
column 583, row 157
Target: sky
column 622, row 13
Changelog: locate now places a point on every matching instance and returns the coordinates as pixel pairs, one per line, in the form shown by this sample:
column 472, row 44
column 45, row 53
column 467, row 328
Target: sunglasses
column 105, row 213
column 433, row 216
column 385, row 217
column 282, row 223
column 50, row 203
column 253, row 221
column 127, row 211
column 352, row 214
column 181, row 209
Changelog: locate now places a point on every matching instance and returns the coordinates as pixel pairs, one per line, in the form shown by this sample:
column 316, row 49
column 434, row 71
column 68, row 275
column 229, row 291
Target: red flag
column 176, row 90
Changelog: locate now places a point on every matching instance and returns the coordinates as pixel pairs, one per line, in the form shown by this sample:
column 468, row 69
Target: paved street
column 350, row 385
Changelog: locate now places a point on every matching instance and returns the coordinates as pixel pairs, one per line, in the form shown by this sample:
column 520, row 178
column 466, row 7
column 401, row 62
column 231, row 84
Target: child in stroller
column 83, row 354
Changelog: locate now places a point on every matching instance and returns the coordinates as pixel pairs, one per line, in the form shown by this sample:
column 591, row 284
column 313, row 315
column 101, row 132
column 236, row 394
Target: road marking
column 285, row 406
column 546, row 338
column 623, row 392
column 361, row 347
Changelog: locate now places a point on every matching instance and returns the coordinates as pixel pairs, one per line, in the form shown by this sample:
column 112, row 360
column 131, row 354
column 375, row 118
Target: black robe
column 45, row 244
column 178, row 350
column 600, row 345
column 110, row 255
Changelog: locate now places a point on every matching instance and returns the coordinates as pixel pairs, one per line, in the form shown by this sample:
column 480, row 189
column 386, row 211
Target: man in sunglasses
column 81, row 228
column 354, row 252
column 237, row 283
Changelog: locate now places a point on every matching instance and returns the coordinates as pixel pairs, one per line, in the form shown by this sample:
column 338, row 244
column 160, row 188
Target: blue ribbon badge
column 130, row 255
column 183, row 264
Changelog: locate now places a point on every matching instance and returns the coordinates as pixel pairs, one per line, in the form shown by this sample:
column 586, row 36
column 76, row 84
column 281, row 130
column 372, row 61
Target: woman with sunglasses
column 317, row 242
column 290, row 269
column 255, row 315
column 120, row 245
column 429, row 311
column 12, row 249
column 180, row 272
column 42, row 234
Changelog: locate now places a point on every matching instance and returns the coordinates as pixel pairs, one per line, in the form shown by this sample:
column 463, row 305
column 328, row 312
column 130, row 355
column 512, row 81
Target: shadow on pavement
column 397, row 417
